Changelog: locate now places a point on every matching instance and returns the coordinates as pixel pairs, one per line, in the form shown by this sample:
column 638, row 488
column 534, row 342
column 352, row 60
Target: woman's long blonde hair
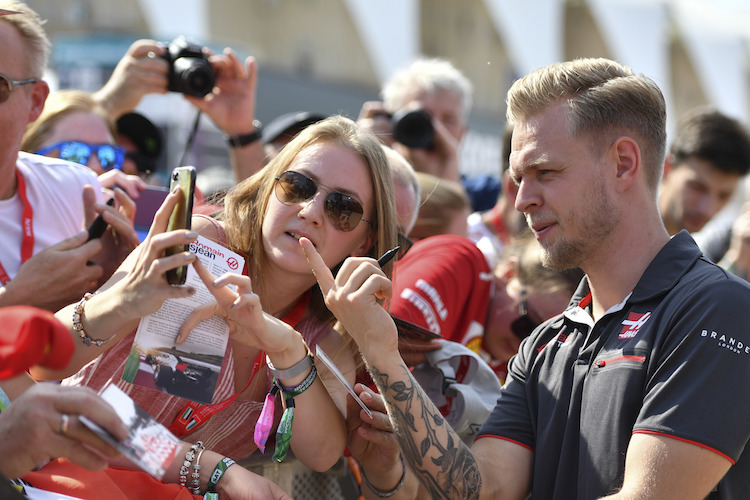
column 246, row 203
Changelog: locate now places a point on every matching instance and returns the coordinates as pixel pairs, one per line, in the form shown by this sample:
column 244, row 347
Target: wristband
column 293, row 371
column 238, row 141
column 387, row 494
column 219, row 471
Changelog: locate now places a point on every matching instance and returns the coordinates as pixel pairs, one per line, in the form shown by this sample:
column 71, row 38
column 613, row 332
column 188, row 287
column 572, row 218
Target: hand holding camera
column 189, row 70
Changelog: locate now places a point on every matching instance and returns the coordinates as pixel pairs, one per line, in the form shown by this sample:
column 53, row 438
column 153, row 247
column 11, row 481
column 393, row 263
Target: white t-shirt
column 484, row 239
column 54, row 189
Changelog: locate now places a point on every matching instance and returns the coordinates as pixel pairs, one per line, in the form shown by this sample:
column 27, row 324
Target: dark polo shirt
column 672, row 359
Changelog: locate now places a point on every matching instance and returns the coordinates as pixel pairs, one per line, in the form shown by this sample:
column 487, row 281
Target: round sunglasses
column 110, row 156
column 342, row 210
column 7, row 86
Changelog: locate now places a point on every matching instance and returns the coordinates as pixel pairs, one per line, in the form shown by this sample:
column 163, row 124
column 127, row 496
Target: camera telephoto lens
column 413, row 129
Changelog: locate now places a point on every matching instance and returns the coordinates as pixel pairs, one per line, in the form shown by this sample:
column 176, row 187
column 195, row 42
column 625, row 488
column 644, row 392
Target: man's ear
column 627, row 157
column 38, row 94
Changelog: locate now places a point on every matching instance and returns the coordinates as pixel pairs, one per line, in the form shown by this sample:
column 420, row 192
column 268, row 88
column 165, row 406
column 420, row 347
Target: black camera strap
column 191, row 138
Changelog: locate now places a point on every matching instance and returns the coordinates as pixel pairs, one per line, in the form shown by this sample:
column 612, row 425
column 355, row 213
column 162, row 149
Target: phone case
column 181, row 215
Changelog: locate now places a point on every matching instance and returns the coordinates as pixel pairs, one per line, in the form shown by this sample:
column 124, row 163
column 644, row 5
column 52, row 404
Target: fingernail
column 191, row 235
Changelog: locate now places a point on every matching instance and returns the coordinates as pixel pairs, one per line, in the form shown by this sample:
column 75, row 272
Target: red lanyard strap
column 27, row 225
column 194, row 414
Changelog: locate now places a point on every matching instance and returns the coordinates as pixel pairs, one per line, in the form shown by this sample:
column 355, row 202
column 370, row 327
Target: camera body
column 413, row 128
column 189, row 70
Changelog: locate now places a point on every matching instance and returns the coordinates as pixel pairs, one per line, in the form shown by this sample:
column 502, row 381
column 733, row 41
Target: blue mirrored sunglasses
column 110, row 156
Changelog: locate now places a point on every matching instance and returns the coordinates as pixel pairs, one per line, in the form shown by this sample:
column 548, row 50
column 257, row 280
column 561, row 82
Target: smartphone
column 97, row 228
column 181, row 215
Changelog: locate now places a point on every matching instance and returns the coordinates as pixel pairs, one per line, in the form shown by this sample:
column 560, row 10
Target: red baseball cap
column 30, row 336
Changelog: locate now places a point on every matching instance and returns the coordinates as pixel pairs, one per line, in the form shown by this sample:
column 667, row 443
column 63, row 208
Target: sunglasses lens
column 4, row 89
column 76, row 152
column 107, row 157
column 523, row 326
column 344, row 211
column 293, row 187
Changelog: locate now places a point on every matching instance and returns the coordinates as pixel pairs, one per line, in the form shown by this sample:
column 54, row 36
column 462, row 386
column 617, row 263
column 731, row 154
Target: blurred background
column 329, row 56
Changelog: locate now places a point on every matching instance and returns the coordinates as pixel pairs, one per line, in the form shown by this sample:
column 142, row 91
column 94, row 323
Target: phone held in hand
column 97, row 228
column 181, row 215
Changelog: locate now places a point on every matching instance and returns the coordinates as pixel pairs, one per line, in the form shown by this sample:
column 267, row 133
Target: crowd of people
column 553, row 331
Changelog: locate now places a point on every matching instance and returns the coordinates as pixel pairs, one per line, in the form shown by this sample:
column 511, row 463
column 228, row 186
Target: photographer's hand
column 374, row 117
column 231, row 106
column 142, row 70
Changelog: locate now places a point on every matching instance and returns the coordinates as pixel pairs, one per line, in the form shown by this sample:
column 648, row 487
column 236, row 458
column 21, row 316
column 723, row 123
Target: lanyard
column 194, row 414
column 27, row 220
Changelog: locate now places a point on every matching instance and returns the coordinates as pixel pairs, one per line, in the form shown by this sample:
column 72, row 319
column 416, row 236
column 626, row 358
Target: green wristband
column 218, row 472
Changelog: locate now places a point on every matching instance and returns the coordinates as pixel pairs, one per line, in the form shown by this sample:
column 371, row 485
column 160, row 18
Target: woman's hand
column 241, row 309
column 353, row 298
column 141, row 280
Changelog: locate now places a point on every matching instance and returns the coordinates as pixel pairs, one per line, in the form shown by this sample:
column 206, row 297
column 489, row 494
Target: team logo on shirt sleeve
column 632, row 324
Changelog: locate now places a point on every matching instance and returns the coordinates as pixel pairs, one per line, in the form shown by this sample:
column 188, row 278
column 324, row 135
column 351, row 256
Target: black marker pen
column 387, row 256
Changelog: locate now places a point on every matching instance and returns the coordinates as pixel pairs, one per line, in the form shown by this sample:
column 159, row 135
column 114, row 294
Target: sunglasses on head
column 342, row 210
column 523, row 325
column 110, row 156
column 7, row 86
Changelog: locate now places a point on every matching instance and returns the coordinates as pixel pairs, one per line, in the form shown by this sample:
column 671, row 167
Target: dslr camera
column 413, row 128
column 189, row 70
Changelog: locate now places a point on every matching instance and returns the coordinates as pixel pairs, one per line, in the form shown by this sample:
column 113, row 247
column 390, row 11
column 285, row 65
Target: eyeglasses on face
column 110, row 156
column 523, row 325
column 342, row 210
column 7, row 86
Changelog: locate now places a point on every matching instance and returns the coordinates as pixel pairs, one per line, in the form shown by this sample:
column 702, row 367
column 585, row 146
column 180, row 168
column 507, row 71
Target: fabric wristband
column 218, row 472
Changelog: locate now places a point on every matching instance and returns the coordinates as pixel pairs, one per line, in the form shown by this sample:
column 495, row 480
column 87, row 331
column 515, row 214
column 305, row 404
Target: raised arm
column 231, row 106
column 444, row 465
column 138, row 288
column 318, row 433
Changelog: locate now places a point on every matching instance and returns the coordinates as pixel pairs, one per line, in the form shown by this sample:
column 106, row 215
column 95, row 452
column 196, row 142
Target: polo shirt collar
column 675, row 259
column 672, row 262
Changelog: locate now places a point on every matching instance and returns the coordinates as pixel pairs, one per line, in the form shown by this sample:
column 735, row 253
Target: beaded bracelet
column 219, row 471
column 189, row 457
column 196, row 474
column 78, row 314
column 387, row 494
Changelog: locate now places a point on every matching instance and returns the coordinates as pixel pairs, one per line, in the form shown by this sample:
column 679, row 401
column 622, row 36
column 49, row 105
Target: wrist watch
column 238, row 141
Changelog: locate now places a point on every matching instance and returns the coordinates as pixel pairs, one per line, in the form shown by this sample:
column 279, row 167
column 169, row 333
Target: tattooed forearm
column 441, row 461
